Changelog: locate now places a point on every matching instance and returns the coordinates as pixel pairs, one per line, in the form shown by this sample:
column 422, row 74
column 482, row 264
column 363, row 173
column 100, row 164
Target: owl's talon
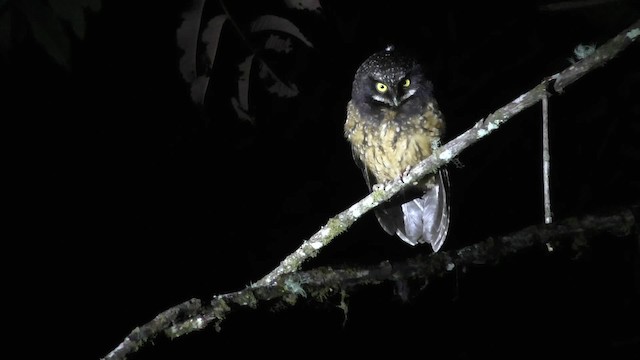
column 405, row 174
column 377, row 187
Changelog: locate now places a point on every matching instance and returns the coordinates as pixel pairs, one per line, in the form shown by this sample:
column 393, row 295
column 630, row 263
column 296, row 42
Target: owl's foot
column 377, row 187
column 405, row 175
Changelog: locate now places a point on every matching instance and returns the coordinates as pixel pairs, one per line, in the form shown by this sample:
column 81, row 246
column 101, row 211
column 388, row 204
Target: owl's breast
column 389, row 145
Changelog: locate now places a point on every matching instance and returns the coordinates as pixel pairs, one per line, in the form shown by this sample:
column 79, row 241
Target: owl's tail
column 424, row 219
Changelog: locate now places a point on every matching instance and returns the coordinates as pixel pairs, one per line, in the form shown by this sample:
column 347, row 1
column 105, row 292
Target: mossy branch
column 598, row 58
column 320, row 283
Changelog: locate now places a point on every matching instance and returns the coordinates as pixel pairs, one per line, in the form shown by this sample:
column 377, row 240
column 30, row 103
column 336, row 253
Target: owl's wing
column 423, row 219
column 368, row 176
column 415, row 216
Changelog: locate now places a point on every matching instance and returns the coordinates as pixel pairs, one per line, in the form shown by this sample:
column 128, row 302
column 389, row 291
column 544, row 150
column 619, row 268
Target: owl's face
column 389, row 79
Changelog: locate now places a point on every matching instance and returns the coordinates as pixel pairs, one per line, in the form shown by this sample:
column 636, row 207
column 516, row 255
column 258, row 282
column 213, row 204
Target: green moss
column 220, row 309
column 344, row 306
column 290, row 298
column 322, row 293
column 336, row 227
column 185, row 327
column 633, row 34
column 293, row 286
column 247, row 299
column 378, row 195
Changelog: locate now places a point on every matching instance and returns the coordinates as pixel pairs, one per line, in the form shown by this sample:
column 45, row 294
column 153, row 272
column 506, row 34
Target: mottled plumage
column 393, row 122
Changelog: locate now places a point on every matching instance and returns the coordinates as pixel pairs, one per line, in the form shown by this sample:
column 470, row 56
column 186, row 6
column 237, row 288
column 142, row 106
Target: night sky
column 136, row 200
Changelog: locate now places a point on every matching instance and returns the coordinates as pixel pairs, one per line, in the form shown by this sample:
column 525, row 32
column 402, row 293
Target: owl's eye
column 406, row 83
column 382, row 88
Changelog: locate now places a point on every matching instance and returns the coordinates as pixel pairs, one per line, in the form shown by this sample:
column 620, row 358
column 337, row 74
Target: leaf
column 283, row 90
column 199, row 88
column 311, row 5
column 277, row 43
column 242, row 114
column 243, row 82
column 241, row 103
column 211, row 38
column 187, row 39
column 278, row 87
column 276, row 23
column 46, row 30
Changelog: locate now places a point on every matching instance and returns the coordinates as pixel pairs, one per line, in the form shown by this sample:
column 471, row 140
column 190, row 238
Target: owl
column 393, row 122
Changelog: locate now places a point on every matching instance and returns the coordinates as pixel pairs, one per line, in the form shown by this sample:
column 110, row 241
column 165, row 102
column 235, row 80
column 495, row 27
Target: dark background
column 136, row 200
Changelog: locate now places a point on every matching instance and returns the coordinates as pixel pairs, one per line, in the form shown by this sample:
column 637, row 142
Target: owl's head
column 390, row 79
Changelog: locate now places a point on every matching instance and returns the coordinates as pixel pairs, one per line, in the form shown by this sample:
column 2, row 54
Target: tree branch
column 322, row 282
column 599, row 57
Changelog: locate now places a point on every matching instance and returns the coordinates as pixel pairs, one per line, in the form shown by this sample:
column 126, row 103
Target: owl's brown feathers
column 388, row 148
column 393, row 122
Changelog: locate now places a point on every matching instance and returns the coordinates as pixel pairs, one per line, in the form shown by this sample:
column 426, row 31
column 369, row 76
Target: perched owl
column 393, row 122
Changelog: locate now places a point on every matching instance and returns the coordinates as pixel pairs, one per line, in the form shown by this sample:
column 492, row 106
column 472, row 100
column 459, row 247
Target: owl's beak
column 394, row 99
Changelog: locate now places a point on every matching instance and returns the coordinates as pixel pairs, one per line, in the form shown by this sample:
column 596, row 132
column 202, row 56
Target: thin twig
column 546, row 160
column 598, row 58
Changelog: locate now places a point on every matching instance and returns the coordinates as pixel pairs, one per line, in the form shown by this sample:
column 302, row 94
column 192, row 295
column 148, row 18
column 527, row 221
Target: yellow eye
column 406, row 83
column 382, row 88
